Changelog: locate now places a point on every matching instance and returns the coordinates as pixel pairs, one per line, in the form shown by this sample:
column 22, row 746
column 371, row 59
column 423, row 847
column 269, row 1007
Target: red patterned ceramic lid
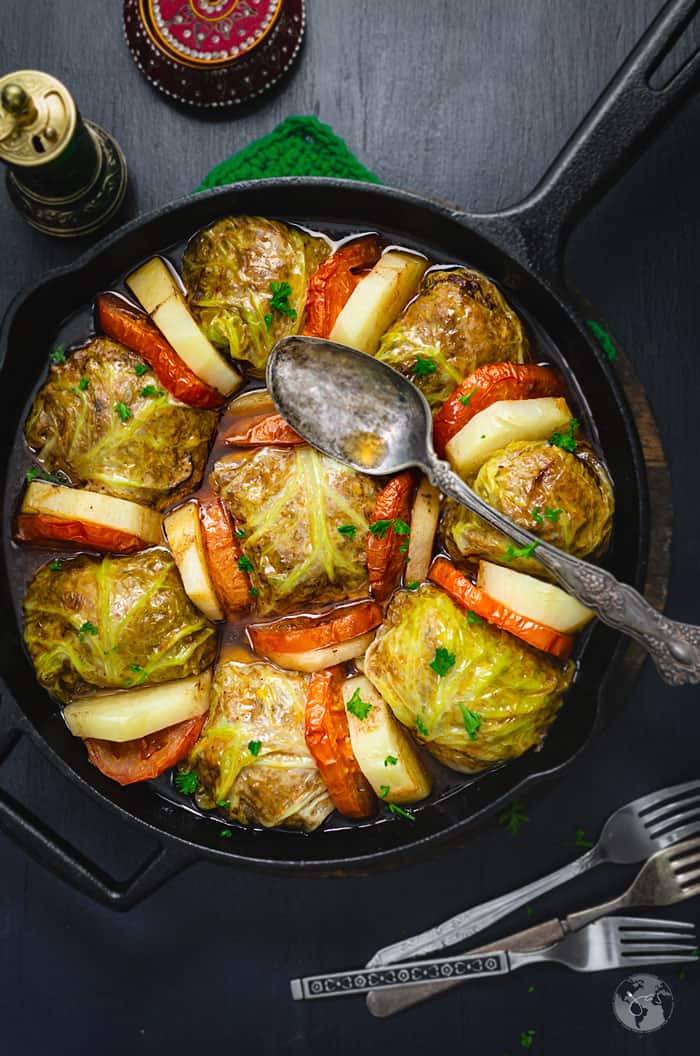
column 214, row 52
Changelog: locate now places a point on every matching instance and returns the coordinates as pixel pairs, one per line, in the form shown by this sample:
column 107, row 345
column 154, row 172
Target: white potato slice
column 424, row 520
column 539, row 601
column 156, row 288
column 319, row 659
column 378, row 299
column 124, row 716
column 184, row 534
column 502, row 423
column 76, row 504
column 377, row 740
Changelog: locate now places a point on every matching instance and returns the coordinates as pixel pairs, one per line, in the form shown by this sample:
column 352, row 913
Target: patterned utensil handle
column 338, row 984
column 674, row 647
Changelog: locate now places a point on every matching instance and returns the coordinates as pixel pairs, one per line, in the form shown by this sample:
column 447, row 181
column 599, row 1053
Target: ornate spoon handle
column 674, row 647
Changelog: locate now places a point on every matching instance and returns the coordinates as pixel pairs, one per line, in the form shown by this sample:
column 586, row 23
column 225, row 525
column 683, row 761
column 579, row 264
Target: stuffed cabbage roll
column 112, row 623
column 291, row 503
column 459, row 321
column 472, row 694
column 251, row 759
column 565, row 498
column 105, row 422
column 246, row 280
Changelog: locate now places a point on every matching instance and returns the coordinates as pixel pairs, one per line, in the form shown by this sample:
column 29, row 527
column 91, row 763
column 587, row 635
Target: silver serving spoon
column 364, row 413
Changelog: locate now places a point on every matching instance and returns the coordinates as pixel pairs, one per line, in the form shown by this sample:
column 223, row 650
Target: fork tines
column 673, row 815
column 682, row 861
column 654, row 941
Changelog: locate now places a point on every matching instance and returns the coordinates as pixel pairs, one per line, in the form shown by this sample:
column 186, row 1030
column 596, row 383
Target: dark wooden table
column 467, row 100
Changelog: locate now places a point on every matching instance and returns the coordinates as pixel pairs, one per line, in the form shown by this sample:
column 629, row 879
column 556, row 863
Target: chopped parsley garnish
column 138, row 670
column 472, row 617
column 253, row 591
column 524, row 551
column 413, row 585
column 122, row 410
column 527, row 1038
column 254, row 747
column 536, row 515
column 279, row 302
column 59, row 354
column 400, row 527
column 581, row 840
column 401, row 812
column 390, row 760
column 513, row 817
column 224, row 803
column 552, row 515
column 567, row 440
column 151, row 390
column 604, row 340
column 87, row 628
column 186, row 782
column 347, row 529
column 403, row 549
column 384, row 791
column 472, row 721
column 55, row 565
column 51, row 478
column 530, row 912
column 358, row 707
column 140, row 369
column 226, row 832
column 32, row 474
column 442, row 661
column 423, row 367
column 239, row 533
column 420, row 726
column 380, row 528
column 245, row 564
column 467, row 397
column 83, row 384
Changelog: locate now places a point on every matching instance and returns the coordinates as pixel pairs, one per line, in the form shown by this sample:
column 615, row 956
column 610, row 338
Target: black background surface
column 467, row 100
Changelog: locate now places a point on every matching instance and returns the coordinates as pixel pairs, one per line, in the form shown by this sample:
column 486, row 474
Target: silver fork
column 669, row 876
column 631, row 834
column 613, row 942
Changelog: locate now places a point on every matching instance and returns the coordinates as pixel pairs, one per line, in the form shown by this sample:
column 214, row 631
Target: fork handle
column 464, row 925
column 674, row 647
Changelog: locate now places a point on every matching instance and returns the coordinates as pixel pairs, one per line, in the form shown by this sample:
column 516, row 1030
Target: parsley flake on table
column 552, row 515
column 467, row 396
column 245, row 564
column 401, row 812
column 122, row 410
column 473, row 617
column 604, row 340
column 472, row 721
column 87, row 628
column 186, row 782
column 357, row 706
column 279, row 302
column 527, row 1038
column 140, row 369
column 384, row 791
column 566, row 441
column 420, row 726
column 442, row 661
column 59, row 354
column 347, row 529
column 581, row 840
column 254, row 747
column 530, row 912
column 226, row 832
column 524, row 551
column 55, row 565
column 390, row 760
column 513, row 817
column 536, row 515
column 423, row 366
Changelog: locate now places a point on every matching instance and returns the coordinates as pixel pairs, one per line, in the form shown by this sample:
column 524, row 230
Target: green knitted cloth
column 299, row 146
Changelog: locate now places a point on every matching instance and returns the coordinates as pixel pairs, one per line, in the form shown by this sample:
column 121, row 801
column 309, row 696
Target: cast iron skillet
column 521, row 248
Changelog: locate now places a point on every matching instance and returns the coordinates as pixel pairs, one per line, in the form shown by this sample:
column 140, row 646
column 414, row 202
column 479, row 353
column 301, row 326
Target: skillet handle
column 617, row 129
column 56, row 854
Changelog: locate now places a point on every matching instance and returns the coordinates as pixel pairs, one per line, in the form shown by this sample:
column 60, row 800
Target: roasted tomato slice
column 387, row 542
column 496, row 381
column 296, row 634
column 263, row 429
column 332, row 283
column 135, row 330
column 42, row 527
column 231, row 584
column 328, row 740
column 466, row 593
column 146, row 757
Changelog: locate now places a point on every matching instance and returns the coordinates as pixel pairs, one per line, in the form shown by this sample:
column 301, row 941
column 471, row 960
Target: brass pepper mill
column 66, row 176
